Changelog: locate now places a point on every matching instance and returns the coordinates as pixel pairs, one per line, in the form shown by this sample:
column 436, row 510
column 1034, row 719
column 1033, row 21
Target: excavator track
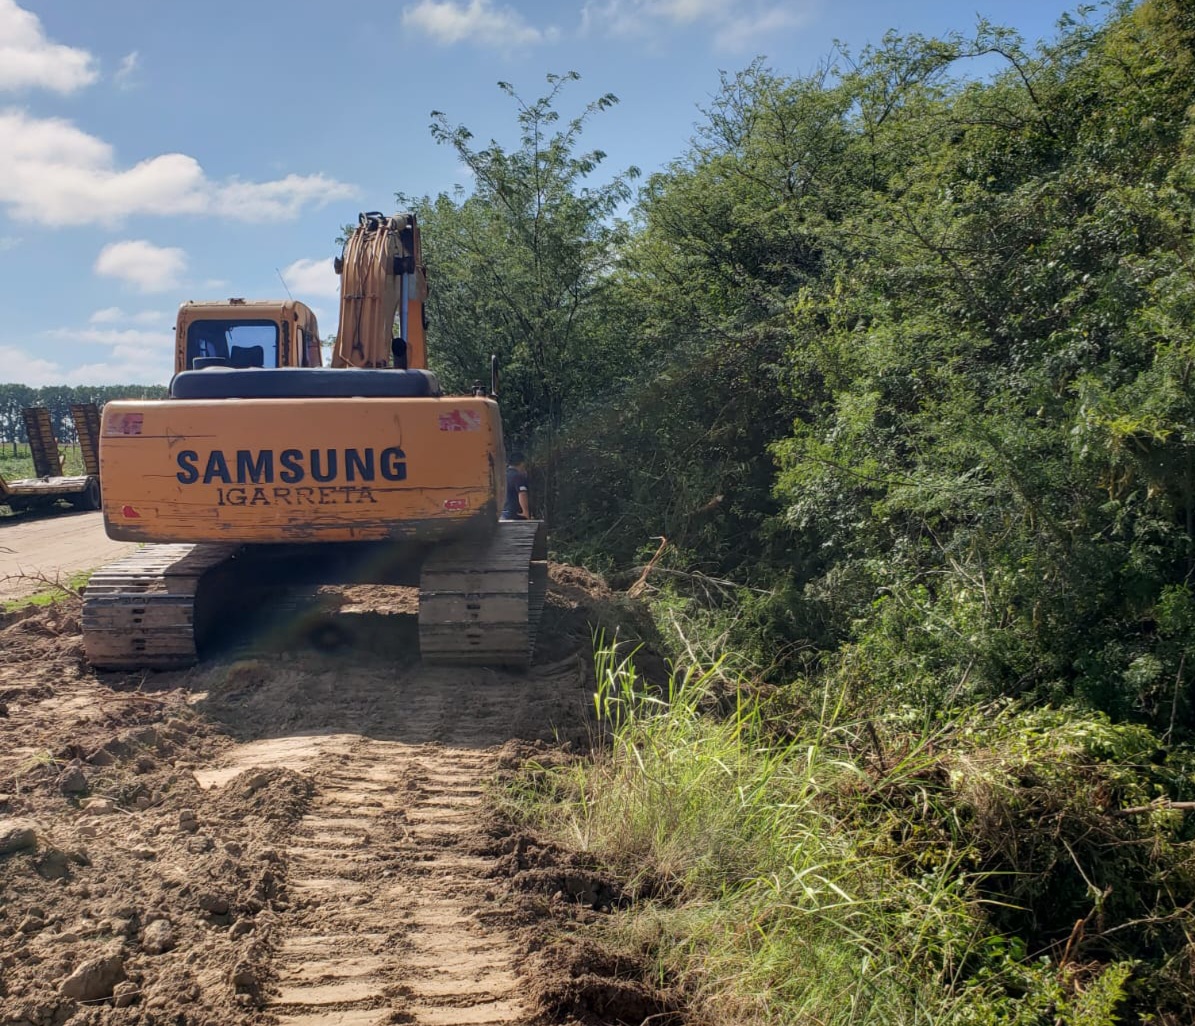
column 480, row 599
column 139, row 612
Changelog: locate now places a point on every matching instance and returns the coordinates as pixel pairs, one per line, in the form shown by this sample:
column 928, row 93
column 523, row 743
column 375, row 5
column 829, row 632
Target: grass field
column 14, row 467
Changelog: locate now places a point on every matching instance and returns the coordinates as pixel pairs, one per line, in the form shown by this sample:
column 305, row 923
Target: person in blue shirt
column 518, row 498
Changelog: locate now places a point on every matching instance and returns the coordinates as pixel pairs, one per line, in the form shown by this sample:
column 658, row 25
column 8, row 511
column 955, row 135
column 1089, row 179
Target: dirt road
column 393, row 914
column 293, row 835
column 52, row 547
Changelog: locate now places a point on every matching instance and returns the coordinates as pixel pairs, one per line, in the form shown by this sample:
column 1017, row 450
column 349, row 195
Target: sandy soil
column 52, row 547
column 302, row 832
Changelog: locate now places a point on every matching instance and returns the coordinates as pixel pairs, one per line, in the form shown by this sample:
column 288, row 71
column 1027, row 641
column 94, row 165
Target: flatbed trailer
column 50, row 485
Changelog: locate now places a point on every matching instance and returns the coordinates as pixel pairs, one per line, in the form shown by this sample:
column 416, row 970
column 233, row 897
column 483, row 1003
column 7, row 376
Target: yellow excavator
column 264, row 467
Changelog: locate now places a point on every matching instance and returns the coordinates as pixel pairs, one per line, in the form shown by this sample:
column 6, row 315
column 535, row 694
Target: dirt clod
column 125, row 994
column 158, row 937
column 213, row 903
column 95, row 978
column 244, row 979
column 16, row 835
column 72, row 780
column 53, row 864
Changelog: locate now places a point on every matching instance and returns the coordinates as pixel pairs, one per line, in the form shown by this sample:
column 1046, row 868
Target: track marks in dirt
column 461, row 964
column 387, row 921
column 393, row 913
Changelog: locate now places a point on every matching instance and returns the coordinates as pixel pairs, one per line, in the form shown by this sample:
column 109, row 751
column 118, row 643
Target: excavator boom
column 383, row 287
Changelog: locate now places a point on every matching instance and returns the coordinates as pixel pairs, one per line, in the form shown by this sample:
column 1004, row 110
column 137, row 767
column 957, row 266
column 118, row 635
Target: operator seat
column 243, row 357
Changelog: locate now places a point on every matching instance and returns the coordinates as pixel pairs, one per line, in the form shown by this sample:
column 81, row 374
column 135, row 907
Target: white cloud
column 128, row 68
column 127, row 343
column 8, row 242
column 148, row 267
column 478, row 21
column 29, row 59
column 120, row 371
column 115, row 315
column 283, row 198
column 129, row 339
column 28, row 369
column 54, row 173
column 127, row 363
column 747, row 33
column 690, row 10
column 311, row 278
column 735, row 25
column 134, row 355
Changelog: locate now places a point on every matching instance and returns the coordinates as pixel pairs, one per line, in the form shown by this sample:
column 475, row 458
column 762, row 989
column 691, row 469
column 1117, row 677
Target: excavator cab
column 242, row 334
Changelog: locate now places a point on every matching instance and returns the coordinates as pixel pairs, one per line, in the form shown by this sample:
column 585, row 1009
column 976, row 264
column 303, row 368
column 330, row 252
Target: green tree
column 998, row 464
column 723, row 238
column 519, row 267
column 13, row 399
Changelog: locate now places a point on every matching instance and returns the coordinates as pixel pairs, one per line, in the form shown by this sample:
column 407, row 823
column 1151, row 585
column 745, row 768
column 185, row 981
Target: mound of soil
column 582, row 609
column 580, row 982
column 133, row 896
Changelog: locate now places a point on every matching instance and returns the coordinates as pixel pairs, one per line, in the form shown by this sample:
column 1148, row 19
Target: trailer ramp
column 47, row 461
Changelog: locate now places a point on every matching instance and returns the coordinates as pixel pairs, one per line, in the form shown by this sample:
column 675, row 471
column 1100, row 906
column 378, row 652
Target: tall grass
column 778, row 868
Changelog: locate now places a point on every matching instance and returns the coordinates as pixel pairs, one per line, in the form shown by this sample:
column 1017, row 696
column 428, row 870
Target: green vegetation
column 973, row 868
column 49, row 595
column 57, row 399
column 16, row 461
column 906, row 352
column 900, row 362
column 522, row 268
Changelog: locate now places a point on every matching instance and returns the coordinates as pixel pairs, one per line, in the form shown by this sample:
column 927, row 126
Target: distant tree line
column 58, row 399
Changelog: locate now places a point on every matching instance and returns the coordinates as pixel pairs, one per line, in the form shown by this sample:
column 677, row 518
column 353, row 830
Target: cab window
column 240, row 343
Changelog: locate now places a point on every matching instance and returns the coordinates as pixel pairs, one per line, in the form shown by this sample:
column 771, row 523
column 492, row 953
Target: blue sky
column 154, row 151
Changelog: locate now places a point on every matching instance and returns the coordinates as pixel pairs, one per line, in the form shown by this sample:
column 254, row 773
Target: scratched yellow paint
column 286, row 470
